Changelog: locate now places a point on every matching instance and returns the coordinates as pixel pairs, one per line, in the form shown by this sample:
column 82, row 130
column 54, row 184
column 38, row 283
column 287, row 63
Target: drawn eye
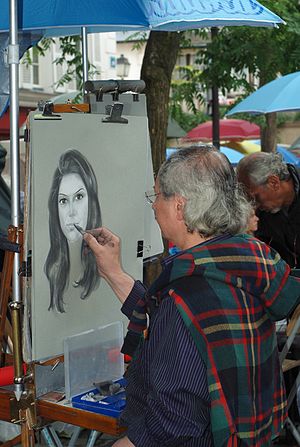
column 79, row 196
column 63, row 201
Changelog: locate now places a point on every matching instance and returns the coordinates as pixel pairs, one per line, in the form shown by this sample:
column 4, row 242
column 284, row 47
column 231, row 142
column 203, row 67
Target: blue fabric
column 114, row 15
column 53, row 18
column 277, row 96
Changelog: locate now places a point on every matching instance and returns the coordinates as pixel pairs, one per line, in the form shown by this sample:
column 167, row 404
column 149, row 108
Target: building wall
column 289, row 132
column 41, row 77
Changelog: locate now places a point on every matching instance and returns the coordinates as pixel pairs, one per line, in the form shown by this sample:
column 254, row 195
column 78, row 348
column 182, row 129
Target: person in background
column 274, row 187
column 207, row 373
column 252, row 223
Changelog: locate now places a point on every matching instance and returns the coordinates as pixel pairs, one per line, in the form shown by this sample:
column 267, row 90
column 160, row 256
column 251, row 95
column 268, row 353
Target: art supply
column 80, row 229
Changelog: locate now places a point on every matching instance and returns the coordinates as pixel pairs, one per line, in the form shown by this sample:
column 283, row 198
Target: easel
column 9, row 246
column 34, row 414
column 10, row 330
column 33, row 411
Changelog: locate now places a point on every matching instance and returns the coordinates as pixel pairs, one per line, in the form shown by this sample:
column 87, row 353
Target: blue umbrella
column 233, row 156
column 50, row 18
column 276, row 96
column 287, row 155
column 57, row 17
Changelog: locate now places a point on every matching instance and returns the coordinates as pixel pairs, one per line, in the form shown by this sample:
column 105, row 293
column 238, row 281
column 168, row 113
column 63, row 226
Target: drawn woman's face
column 72, row 205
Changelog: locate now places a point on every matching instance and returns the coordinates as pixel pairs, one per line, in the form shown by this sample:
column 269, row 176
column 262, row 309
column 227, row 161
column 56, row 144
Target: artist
column 274, row 186
column 207, row 373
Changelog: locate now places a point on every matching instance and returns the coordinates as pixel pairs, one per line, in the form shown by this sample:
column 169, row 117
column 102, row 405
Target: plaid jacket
column 229, row 291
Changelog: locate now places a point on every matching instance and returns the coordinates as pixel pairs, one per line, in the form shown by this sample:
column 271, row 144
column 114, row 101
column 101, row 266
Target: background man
column 274, row 187
column 207, row 372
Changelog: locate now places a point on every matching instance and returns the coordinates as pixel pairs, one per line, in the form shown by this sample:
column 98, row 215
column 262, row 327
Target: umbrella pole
column 215, row 105
column 13, row 59
column 85, row 61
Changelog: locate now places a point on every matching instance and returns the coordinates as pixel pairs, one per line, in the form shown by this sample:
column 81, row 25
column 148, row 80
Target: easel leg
column 27, row 436
column 12, row 442
column 93, row 438
column 27, row 433
column 75, row 436
column 51, row 438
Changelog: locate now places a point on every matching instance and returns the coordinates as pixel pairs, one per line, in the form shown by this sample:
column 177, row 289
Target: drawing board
column 119, row 157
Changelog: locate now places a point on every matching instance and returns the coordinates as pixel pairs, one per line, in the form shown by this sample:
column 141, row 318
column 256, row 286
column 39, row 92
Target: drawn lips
column 71, row 226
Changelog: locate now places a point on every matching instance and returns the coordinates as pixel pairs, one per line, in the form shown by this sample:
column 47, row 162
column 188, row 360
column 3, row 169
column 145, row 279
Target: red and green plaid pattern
column 229, row 292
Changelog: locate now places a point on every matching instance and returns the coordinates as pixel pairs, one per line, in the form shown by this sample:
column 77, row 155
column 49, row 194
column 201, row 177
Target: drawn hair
column 204, row 177
column 57, row 265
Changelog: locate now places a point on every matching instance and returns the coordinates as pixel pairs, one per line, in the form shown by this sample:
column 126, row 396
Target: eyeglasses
column 151, row 196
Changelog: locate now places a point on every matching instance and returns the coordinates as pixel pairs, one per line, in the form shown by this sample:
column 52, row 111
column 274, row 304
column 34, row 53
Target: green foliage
column 188, row 120
column 264, row 52
column 188, row 89
column 139, row 38
column 70, row 54
column 233, row 53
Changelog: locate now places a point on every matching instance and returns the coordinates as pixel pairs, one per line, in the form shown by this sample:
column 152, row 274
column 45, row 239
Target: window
column 29, row 73
column 59, row 70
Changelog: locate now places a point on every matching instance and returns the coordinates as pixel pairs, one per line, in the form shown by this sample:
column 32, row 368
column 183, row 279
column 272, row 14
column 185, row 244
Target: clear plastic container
column 93, row 356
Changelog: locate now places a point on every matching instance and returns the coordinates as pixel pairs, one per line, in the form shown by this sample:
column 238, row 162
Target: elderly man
column 207, row 372
column 274, row 187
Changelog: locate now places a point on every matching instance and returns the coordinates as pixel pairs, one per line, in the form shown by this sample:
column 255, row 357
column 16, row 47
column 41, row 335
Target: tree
column 158, row 65
column 262, row 52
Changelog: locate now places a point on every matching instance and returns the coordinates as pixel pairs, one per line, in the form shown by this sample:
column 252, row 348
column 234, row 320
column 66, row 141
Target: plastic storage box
column 92, row 357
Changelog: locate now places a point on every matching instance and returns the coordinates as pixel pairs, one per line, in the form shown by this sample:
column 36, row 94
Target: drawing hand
column 106, row 248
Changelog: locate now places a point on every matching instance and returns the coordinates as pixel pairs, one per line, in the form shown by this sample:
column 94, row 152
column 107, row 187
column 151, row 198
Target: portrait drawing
column 73, row 199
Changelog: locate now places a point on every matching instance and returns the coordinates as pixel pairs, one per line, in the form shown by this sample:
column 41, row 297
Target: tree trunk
column 269, row 133
column 158, row 64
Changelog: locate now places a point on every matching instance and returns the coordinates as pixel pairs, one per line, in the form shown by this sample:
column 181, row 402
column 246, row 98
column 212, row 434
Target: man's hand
column 123, row 442
column 106, row 248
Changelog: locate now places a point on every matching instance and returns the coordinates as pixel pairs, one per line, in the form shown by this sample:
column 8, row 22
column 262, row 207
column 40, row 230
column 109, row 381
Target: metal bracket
column 115, row 112
column 47, row 107
column 25, row 269
column 13, row 54
column 24, row 409
column 140, row 249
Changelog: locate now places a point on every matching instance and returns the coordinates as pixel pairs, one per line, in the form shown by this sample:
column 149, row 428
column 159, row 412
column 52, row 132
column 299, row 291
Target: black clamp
column 47, row 108
column 115, row 111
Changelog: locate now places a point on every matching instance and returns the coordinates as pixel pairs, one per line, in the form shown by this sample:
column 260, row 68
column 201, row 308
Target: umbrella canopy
column 279, row 95
column 50, row 18
column 233, row 156
column 56, row 17
column 230, row 129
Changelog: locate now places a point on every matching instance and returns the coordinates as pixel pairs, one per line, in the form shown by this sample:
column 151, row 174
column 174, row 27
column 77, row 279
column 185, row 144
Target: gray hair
column 258, row 167
column 204, row 177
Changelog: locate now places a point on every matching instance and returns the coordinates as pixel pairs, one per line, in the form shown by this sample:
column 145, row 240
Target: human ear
column 180, row 203
column 273, row 182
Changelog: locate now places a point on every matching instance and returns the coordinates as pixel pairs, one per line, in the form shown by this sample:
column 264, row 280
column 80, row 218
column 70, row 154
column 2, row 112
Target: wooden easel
column 10, row 247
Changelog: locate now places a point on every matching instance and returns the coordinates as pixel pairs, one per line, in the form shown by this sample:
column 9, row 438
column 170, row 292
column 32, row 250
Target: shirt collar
column 169, row 259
